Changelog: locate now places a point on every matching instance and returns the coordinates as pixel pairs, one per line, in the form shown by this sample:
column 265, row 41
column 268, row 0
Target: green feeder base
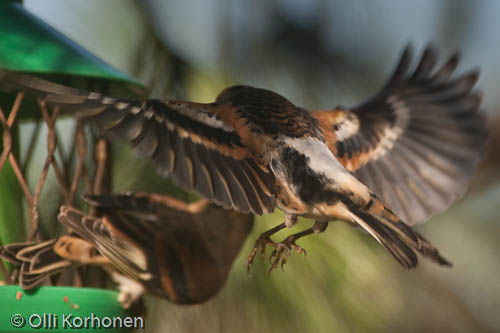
column 61, row 309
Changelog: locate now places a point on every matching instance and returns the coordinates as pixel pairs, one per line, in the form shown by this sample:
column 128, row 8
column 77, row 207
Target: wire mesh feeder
column 72, row 169
column 203, row 239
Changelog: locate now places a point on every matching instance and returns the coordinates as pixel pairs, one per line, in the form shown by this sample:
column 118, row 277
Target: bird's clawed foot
column 261, row 243
column 282, row 250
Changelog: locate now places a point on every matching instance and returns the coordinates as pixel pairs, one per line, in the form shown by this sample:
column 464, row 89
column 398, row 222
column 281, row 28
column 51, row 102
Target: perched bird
column 148, row 242
column 393, row 161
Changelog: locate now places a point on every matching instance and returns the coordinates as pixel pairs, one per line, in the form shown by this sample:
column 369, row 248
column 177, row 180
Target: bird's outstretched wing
column 416, row 143
column 204, row 147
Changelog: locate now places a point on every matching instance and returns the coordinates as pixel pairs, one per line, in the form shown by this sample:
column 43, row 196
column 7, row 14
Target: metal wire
column 71, row 173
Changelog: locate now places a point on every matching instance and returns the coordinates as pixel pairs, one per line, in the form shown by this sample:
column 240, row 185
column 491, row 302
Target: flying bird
column 146, row 241
column 391, row 162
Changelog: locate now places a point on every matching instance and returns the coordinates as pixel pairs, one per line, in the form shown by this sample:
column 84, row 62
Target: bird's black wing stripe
column 217, row 135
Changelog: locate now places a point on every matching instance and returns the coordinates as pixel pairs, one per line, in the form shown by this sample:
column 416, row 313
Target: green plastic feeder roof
column 29, row 44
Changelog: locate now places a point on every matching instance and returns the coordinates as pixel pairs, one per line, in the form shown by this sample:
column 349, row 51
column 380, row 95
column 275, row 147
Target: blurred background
column 319, row 54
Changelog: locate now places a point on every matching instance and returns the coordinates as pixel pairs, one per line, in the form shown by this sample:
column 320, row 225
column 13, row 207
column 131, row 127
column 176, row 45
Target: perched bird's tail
column 41, row 260
column 395, row 235
column 37, row 260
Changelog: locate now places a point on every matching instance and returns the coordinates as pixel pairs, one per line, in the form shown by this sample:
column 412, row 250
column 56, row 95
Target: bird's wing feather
column 204, row 147
column 416, row 143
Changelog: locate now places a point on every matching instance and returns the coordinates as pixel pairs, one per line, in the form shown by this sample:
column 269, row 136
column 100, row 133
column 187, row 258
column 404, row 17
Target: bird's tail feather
column 396, row 236
column 37, row 260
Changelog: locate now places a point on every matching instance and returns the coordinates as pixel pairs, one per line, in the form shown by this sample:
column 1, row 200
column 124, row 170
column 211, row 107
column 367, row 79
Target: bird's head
column 229, row 93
